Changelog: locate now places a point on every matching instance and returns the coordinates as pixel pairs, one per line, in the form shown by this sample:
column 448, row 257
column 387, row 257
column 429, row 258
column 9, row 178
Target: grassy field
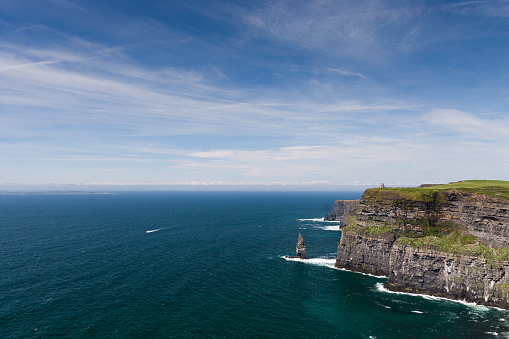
column 498, row 188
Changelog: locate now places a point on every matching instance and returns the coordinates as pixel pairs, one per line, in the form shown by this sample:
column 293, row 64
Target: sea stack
column 300, row 249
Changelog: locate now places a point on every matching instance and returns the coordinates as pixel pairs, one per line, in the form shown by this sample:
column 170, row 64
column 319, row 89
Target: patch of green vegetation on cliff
column 504, row 286
column 379, row 229
column 351, row 225
column 351, row 229
column 457, row 243
column 351, row 219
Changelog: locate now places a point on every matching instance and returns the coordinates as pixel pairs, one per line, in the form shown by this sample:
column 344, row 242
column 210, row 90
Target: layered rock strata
column 342, row 208
column 438, row 273
column 451, row 243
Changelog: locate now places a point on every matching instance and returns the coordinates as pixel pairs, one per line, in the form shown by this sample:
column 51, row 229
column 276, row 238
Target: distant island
column 447, row 240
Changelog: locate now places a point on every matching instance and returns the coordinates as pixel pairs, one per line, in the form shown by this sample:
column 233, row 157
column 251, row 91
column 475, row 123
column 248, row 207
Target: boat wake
column 152, row 231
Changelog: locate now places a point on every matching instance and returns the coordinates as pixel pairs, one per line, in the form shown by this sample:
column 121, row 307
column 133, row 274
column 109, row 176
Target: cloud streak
column 469, row 124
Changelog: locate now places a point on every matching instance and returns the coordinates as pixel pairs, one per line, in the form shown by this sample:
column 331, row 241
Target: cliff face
column 483, row 216
column 449, row 275
column 450, row 242
column 365, row 253
column 342, row 208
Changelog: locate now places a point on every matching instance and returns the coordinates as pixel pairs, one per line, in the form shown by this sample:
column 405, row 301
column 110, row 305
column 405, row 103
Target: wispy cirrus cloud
column 320, row 161
column 472, row 125
column 90, row 91
column 493, row 8
column 351, row 28
column 345, row 72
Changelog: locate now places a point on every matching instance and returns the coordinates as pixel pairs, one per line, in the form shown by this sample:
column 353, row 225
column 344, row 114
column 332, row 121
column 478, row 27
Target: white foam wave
column 382, row 305
column 314, row 261
column 368, row 274
column 320, row 220
column 380, row 287
column 418, row 312
column 151, row 231
column 327, row 262
column 329, row 228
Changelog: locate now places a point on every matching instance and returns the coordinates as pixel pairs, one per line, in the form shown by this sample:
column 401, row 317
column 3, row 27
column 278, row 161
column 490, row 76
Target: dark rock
column 300, row 249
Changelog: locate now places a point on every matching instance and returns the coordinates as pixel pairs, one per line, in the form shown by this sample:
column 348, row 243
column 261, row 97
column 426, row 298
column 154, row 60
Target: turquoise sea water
column 211, row 266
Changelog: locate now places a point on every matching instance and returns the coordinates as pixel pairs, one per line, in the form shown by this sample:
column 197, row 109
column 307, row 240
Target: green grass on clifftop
column 497, row 188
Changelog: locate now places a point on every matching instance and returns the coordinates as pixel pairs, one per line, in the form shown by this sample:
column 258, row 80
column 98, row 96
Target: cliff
column 342, row 208
column 445, row 240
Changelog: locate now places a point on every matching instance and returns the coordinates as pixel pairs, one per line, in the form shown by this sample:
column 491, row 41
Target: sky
column 321, row 95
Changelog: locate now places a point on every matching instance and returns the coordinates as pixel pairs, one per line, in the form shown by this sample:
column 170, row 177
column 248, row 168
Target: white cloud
column 342, row 161
column 351, row 28
column 346, row 72
column 474, row 125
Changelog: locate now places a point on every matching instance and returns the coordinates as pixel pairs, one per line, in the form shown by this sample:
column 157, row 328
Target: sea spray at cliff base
column 327, row 262
column 215, row 271
column 380, row 287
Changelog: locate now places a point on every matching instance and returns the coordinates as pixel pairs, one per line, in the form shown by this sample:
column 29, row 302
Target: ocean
column 201, row 265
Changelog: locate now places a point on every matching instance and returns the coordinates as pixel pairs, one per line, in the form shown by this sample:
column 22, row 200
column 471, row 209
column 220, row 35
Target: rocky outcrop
column 449, row 242
column 300, row 249
column 342, row 208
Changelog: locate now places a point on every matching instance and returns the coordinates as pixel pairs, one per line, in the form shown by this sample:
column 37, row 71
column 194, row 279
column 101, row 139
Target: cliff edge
column 444, row 240
column 342, row 208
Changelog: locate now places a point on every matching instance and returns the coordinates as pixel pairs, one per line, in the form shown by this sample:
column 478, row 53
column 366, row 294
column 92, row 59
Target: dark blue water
column 84, row 266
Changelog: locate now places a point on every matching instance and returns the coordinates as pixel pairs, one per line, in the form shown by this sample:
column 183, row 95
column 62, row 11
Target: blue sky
column 252, row 94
